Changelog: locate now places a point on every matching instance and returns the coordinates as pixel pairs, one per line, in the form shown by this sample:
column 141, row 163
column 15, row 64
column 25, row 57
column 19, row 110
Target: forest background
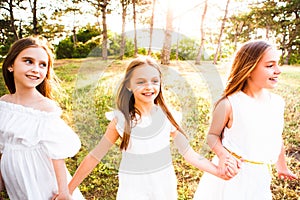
column 193, row 40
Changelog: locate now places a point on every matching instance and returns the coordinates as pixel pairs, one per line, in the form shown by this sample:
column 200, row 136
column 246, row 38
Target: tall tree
column 33, row 4
column 239, row 29
column 166, row 51
column 38, row 10
column 218, row 50
column 104, row 28
column 9, row 6
column 151, row 27
column 281, row 18
column 124, row 4
column 101, row 5
column 289, row 28
column 134, row 25
column 74, row 9
column 199, row 56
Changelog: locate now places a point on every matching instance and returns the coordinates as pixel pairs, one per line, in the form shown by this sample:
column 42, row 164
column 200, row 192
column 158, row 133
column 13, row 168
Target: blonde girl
column 247, row 124
column 144, row 124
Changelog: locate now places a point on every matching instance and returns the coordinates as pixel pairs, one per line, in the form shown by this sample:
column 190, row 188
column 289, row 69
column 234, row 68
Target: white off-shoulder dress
column 256, row 135
column 146, row 171
column 29, row 139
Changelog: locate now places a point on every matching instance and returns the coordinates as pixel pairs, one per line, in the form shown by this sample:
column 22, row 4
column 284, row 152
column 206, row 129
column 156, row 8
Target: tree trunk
column 123, row 39
column 238, row 30
column 74, row 28
column 104, row 27
column 34, row 18
column 135, row 34
column 166, row 51
column 20, row 33
column 283, row 48
column 151, row 27
column 199, row 56
column 267, row 32
column 217, row 54
column 12, row 20
column 74, row 36
column 289, row 53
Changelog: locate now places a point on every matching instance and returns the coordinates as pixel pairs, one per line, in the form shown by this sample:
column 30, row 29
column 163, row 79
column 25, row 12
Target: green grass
column 89, row 90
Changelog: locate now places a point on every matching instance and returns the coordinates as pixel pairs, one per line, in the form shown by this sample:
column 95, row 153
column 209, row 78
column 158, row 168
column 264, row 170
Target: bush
column 64, row 49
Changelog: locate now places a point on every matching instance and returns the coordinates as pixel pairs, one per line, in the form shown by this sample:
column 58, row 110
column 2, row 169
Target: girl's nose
column 277, row 69
column 149, row 84
column 35, row 68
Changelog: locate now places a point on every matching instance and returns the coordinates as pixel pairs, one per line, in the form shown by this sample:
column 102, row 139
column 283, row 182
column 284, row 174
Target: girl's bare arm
column 94, row 157
column 61, row 177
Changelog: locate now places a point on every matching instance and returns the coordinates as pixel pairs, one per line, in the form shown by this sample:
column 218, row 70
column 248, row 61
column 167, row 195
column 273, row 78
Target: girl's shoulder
column 114, row 114
column 48, row 105
column 276, row 96
column 5, row 97
column 276, row 99
column 42, row 104
column 224, row 103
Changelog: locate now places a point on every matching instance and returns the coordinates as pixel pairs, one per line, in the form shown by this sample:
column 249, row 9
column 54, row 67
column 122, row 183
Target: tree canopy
column 61, row 23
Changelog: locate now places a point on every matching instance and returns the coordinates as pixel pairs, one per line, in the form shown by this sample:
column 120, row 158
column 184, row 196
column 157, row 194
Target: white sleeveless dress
column 29, row 139
column 256, row 135
column 146, row 171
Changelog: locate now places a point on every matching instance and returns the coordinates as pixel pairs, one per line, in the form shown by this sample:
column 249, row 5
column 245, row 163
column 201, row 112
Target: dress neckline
column 268, row 99
column 26, row 109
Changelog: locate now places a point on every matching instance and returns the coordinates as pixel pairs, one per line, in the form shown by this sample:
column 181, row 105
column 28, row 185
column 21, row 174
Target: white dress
column 256, row 136
column 29, row 139
column 146, row 171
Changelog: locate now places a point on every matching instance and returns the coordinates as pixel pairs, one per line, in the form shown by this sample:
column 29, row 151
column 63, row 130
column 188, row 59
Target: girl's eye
column 28, row 61
column 270, row 66
column 140, row 82
column 43, row 65
column 156, row 82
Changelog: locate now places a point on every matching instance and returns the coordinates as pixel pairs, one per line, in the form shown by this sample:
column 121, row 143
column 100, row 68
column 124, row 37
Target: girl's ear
column 10, row 69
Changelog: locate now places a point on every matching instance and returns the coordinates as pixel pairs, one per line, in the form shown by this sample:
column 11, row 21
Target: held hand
column 62, row 196
column 229, row 167
column 233, row 166
column 286, row 175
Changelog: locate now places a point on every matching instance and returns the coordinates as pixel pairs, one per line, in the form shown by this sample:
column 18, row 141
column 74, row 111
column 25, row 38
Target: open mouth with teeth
column 148, row 93
column 274, row 79
column 32, row 77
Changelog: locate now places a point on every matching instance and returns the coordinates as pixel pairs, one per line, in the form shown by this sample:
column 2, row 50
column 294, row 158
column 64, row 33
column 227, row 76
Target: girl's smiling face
column 30, row 67
column 145, row 84
column 266, row 73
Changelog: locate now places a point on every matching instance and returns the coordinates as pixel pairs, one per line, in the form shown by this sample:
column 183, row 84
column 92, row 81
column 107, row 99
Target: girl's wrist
column 64, row 192
column 223, row 154
column 64, row 195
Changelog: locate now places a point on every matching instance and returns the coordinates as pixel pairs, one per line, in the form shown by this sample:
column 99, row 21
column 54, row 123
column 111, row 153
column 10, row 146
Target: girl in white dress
column 144, row 124
column 34, row 140
column 247, row 124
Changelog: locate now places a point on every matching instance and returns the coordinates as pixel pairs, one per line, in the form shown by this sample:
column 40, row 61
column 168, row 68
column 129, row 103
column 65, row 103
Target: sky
column 186, row 13
column 187, row 16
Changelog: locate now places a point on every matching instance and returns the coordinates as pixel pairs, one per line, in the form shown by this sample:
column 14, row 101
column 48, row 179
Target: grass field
column 89, row 87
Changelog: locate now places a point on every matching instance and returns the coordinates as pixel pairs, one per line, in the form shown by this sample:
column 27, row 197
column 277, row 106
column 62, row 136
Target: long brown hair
column 244, row 63
column 125, row 99
column 45, row 88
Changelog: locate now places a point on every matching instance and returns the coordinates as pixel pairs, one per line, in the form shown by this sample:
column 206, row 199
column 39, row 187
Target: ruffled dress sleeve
column 59, row 139
column 26, row 127
column 118, row 115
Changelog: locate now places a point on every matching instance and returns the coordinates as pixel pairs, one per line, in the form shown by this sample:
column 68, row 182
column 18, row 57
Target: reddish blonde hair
column 126, row 101
column 45, row 88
